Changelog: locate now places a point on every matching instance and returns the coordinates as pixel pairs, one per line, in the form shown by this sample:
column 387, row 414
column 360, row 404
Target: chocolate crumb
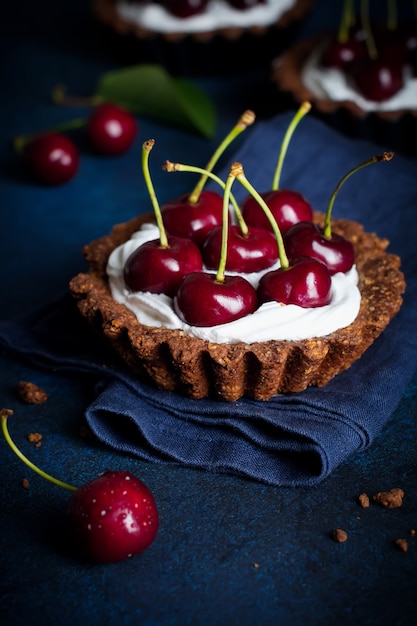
column 402, row 544
column 364, row 500
column 412, row 532
column 339, row 535
column 31, row 393
column 35, row 438
column 25, row 483
column 256, row 565
column 390, row 499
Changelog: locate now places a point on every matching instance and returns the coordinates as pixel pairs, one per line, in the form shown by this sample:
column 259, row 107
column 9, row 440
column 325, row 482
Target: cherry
column 308, row 239
column 205, row 299
column 306, row 283
column 378, row 79
column 111, row 130
column 245, row 4
column 288, row 207
column 113, row 517
column 184, row 8
column 52, row 157
column 195, row 215
column 341, row 54
column 160, row 269
column 159, row 266
column 253, row 252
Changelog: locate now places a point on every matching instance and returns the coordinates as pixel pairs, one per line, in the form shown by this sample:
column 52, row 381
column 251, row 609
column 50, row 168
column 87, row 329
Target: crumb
column 402, row 544
column 6, row 413
column 31, row 393
column 35, row 438
column 339, row 535
column 364, row 500
column 25, row 483
column 390, row 499
column 412, row 532
column 256, row 565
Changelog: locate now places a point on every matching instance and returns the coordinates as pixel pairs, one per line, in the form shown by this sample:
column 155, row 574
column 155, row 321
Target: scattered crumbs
column 412, row 532
column 402, row 544
column 339, row 535
column 31, row 393
column 35, row 438
column 5, row 413
column 256, row 565
column 390, row 499
column 25, row 483
column 364, row 500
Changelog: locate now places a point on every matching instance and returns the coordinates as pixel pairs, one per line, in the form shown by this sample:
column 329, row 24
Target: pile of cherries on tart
column 188, row 8
column 376, row 58
column 202, row 253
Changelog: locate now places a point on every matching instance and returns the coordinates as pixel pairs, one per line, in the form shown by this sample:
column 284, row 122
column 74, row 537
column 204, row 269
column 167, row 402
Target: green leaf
column 149, row 90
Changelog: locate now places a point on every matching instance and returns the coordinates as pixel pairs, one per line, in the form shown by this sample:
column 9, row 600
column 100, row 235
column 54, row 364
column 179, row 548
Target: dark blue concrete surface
column 229, row 551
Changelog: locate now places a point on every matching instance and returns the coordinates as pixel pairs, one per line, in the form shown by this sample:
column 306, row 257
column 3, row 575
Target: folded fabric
column 289, row 440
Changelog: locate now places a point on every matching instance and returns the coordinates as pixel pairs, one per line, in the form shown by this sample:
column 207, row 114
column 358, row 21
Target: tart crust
column 287, row 74
column 106, row 12
column 174, row 361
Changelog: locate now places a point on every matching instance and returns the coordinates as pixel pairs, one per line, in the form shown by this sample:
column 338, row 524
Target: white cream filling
column 218, row 14
column 333, row 84
column 271, row 321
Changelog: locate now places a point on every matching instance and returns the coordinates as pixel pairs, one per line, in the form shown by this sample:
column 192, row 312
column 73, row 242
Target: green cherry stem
column 346, row 21
column 20, row 141
column 302, row 111
column 246, row 119
column 366, row 25
column 385, row 156
column 238, row 172
column 220, row 276
column 168, row 166
column 59, row 96
column 392, row 19
column 146, row 149
column 26, row 461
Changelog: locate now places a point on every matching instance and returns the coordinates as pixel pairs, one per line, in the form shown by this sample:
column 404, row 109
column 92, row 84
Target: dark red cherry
column 202, row 300
column 306, row 283
column 184, row 8
column 307, row 239
column 111, row 130
column 377, row 79
column 244, row 4
column 195, row 221
column 114, row 517
column 254, row 252
column 340, row 54
column 52, row 157
column 158, row 269
column 288, row 207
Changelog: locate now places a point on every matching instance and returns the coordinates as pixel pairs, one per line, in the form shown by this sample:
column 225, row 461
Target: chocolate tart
column 174, row 361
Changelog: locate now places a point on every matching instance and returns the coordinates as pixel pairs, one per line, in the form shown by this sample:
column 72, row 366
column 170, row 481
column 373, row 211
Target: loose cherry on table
column 52, row 157
column 113, row 517
column 287, row 206
column 308, row 239
column 205, row 299
column 111, row 130
column 195, row 215
column 158, row 266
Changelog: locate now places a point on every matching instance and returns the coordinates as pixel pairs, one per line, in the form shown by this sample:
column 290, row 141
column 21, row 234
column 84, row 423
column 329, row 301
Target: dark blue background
column 229, row 551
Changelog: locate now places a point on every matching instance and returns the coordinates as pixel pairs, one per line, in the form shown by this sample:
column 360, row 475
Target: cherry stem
column 168, row 166
column 146, row 149
column 392, row 19
column 366, row 25
column 246, row 119
column 415, row 8
column 59, row 96
column 20, row 141
column 346, row 21
column 302, row 111
column 220, row 276
column 238, row 172
column 385, row 156
column 26, row 461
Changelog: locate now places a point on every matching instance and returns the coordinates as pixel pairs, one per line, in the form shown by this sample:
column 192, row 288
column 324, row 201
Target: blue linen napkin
column 290, row 440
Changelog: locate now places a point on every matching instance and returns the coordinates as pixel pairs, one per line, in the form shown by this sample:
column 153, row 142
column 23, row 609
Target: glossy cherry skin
column 252, row 253
column 307, row 239
column 340, row 55
column 160, row 270
column 306, row 283
column 111, row 130
column 288, row 207
column 378, row 80
column 203, row 301
column 52, row 157
column 114, row 516
column 193, row 220
column 242, row 5
column 184, row 8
